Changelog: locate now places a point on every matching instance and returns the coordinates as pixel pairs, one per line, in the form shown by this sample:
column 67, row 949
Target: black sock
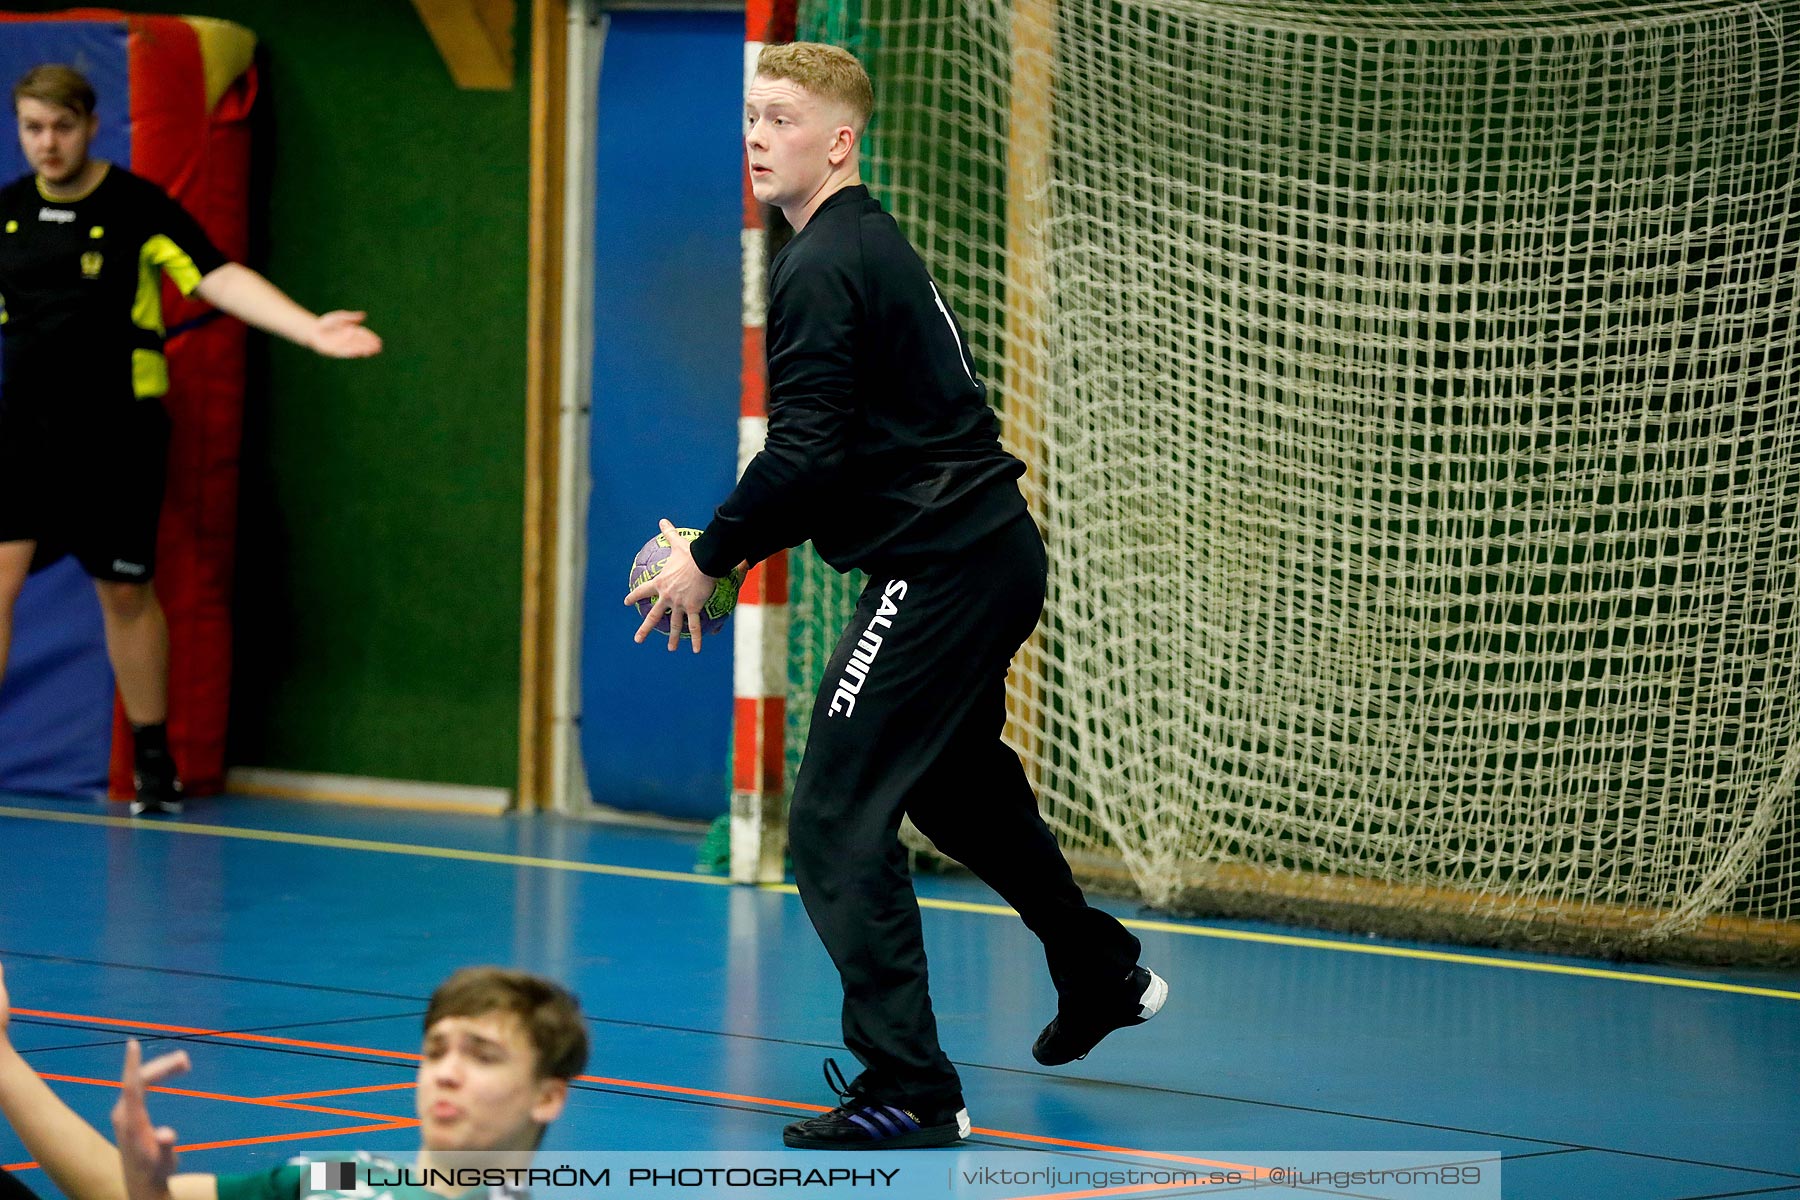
column 151, row 741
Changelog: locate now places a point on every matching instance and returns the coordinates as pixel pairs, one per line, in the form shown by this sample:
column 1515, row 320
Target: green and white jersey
column 360, row 1176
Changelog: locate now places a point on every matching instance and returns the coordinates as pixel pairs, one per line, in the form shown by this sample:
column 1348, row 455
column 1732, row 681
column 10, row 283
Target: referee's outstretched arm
column 246, row 295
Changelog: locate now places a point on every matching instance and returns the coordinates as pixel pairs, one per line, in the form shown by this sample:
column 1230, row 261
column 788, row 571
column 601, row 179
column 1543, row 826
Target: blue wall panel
column 656, row 726
column 97, row 50
column 56, row 702
column 57, row 699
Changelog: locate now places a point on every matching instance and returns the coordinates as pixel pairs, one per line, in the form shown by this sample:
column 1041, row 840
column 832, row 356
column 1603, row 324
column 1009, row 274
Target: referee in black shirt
column 83, row 433
column 883, row 450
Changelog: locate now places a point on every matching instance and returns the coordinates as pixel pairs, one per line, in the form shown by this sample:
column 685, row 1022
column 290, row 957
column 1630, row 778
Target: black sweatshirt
column 881, row 446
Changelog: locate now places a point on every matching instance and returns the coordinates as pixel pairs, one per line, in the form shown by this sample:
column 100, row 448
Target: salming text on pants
column 908, row 720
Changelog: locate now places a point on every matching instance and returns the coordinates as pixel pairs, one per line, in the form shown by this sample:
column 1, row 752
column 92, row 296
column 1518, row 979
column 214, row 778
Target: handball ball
column 649, row 564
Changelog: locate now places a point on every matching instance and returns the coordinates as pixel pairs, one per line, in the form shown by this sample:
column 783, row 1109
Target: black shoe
column 158, row 788
column 1073, row 1032
column 862, row 1123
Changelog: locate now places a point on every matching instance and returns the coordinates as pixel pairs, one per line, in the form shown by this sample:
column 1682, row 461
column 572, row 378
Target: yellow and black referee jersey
column 81, row 288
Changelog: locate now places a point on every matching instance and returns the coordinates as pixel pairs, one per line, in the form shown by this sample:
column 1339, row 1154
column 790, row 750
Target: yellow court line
column 558, row 864
column 1468, row 960
column 338, row 843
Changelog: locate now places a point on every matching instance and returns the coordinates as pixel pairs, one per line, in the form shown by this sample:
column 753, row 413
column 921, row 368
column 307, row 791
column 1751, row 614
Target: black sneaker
column 1073, row 1032
column 158, row 787
column 862, row 1123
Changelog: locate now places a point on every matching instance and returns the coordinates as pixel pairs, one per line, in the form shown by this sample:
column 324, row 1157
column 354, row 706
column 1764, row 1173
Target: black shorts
column 92, row 488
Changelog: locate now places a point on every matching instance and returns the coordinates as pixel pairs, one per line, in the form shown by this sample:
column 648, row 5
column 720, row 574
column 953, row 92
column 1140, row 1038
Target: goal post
column 760, row 642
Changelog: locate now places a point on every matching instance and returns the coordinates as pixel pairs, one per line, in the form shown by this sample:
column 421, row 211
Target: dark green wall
column 379, row 579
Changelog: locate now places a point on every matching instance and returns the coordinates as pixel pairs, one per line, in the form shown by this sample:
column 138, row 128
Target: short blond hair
column 828, row 72
column 58, row 84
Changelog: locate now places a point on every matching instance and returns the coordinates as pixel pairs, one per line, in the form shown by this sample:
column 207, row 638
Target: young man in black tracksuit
column 882, row 450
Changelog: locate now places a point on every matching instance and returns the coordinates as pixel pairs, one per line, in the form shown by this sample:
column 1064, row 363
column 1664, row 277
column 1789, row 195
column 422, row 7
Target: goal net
column 1409, row 397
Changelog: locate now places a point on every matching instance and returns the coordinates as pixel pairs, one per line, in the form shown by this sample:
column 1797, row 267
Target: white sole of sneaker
column 1151, row 1002
column 918, row 1139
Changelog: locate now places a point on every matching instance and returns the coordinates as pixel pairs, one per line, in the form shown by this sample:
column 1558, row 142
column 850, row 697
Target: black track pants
column 908, row 720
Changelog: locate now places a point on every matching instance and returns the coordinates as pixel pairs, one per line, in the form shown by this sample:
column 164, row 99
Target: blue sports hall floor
column 290, row 948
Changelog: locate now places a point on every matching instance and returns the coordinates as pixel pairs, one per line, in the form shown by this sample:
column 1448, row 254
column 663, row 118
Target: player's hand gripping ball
column 649, row 564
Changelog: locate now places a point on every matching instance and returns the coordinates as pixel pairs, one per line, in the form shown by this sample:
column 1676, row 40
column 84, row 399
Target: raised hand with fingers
column 679, row 591
column 146, row 1152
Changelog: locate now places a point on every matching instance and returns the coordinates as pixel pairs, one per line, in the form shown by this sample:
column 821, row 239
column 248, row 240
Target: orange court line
column 263, row 1102
column 373, row 1087
column 677, row 1090
column 294, row 1137
column 257, row 1141
column 637, row 1084
column 213, row 1033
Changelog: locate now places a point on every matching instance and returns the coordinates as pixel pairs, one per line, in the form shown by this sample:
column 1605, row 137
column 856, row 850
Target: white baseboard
column 373, row 793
